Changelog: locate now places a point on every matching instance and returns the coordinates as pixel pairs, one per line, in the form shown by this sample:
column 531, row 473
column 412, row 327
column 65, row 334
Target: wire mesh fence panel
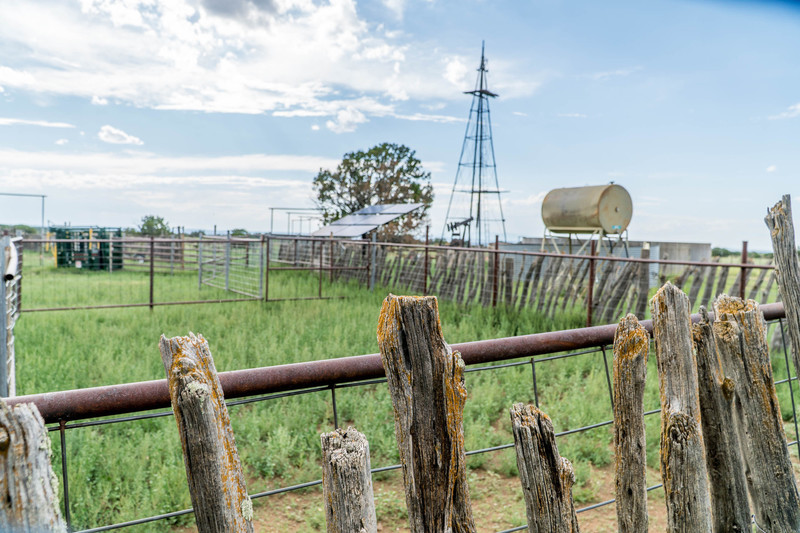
column 235, row 266
column 11, row 258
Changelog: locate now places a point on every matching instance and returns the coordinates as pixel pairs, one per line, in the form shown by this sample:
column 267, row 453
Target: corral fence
column 69, row 411
column 229, row 269
column 10, row 305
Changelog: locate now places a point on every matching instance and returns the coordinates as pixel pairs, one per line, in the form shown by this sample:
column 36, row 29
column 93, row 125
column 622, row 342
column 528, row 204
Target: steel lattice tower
column 475, row 210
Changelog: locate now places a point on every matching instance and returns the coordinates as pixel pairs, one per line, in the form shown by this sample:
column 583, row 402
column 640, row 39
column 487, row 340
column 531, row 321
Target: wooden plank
column 643, row 284
column 631, row 346
column 213, row 470
column 740, row 332
column 546, row 477
column 731, row 509
column 546, row 282
column 708, row 297
column 531, row 279
column 683, row 466
column 762, row 275
column 781, row 227
column 426, row 384
column 28, row 486
column 618, row 290
column 508, row 280
column 697, row 281
column 723, row 279
column 347, row 483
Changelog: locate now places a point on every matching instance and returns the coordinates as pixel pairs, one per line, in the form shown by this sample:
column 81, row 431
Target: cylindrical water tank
column 587, row 209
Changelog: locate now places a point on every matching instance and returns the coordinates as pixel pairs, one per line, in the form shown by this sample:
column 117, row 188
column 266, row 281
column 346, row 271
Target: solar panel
column 370, row 210
column 343, row 231
column 365, row 220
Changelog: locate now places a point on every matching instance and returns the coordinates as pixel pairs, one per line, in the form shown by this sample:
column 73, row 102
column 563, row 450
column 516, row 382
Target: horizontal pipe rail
column 146, row 395
column 218, row 239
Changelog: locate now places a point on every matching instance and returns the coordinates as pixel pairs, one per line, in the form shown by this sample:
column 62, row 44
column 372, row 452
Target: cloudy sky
column 212, row 111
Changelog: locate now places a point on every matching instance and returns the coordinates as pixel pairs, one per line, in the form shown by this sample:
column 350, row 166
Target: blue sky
column 209, row 112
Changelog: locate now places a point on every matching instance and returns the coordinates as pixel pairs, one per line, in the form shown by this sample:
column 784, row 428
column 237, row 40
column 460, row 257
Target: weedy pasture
column 134, row 469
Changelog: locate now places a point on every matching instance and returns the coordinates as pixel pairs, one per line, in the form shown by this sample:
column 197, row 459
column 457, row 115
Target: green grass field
column 134, row 469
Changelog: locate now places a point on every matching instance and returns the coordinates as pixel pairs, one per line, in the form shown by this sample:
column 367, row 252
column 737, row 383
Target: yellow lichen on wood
column 193, row 383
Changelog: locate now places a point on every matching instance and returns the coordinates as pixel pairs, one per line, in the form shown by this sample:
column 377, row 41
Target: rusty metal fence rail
column 70, row 410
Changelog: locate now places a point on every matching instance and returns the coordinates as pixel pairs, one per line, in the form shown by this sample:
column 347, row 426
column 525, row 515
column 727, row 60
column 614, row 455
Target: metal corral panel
column 587, row 209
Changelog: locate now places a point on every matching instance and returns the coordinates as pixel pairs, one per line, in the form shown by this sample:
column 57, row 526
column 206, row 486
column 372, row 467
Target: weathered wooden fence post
column 347, row 482
column 213, row 469
column 787, row 268
column 426, row 383
column 28, row 486
column 683, row 465
column 731, row 510
column 643, row 286
column 631, row 345
column 740, row 332
column 546, row 477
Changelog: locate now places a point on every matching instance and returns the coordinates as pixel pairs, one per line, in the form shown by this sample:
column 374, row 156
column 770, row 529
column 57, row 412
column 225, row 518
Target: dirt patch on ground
column 497, row 504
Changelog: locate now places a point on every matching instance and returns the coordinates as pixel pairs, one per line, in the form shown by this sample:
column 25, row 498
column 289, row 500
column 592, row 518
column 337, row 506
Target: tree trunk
column 546, row 477
column 631, row 345
column 426, row 384
column 28, row 486
column 683, row 466
column 781, row 227
column 731, row 510
column 741, row 339
column 347, row 482
column 213, row 470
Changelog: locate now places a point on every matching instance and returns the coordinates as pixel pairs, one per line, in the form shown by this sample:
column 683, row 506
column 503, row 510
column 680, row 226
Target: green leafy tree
column 385, row 174
column 153, row 225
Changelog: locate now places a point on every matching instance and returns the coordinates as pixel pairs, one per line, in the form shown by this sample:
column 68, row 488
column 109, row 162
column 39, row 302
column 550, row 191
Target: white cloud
column 346, row 120
column 456, row 72
column 25, row 122
column 572, row 115
column 396, row 7
column 317, row 59
column 442, row 119
column 141, row 163
column 792, row 112
column 530, row 200
column 62, row 142
column 519, row 113
column 603, row 76
column 112, row 135
column 772, row 168
column 315, row 127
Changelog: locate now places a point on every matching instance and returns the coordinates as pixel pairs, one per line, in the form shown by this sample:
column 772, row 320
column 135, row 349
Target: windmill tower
column 475, row 211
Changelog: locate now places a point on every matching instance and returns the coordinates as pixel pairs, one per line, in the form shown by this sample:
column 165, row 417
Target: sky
column 211, row 112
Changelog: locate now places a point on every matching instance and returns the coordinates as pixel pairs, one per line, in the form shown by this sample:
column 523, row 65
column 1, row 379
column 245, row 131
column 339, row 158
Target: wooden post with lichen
column 28, row 486
column 214, row 472
column 546, row 477
column 740, row 332
column 631, row 345
column 731, row 510
column 347, row 482
column 426, row 384
column 683, row 466
column 787, row 268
